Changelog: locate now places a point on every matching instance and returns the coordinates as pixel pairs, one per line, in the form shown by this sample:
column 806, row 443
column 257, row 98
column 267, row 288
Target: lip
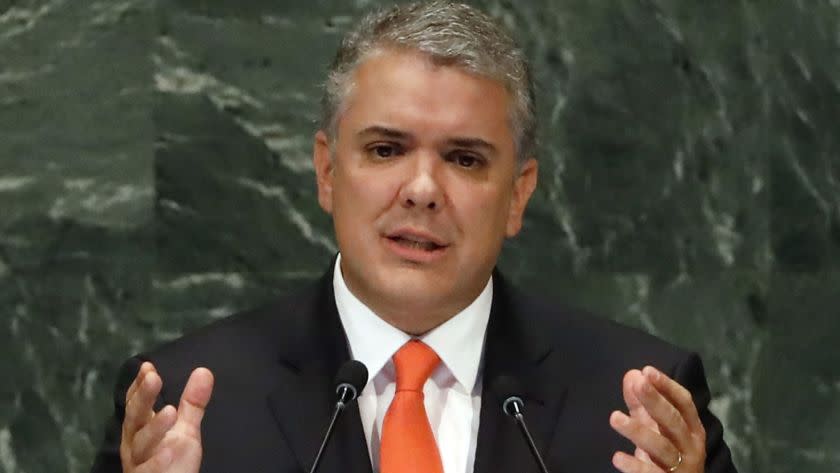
column 417, row 235
column 415, row 255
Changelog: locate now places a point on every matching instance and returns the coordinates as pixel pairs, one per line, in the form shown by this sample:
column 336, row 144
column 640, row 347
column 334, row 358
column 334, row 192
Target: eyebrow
column 461, row 142
column 473, row 143
column 384, row 131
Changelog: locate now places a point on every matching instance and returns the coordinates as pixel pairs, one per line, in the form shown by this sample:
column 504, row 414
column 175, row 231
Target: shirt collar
column 458, row 342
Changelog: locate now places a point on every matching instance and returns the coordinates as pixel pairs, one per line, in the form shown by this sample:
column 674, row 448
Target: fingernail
column 655, row 373
column 620, row 461
column 620, row 418
column 169, row 410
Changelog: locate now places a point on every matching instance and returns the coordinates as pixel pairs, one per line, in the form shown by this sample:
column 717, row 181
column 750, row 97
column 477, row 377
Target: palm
column 186, row 450
column 663, row 423
column 168, row 440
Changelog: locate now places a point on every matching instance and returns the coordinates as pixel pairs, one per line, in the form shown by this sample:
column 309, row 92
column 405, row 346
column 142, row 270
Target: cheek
column 483, row 214
column 363, row 195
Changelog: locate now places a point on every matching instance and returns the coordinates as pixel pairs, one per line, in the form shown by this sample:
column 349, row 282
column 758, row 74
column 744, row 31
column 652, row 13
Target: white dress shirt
column 453, row 391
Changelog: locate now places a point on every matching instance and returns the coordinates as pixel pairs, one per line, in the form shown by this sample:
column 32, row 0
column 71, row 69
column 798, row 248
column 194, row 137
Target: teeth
column 425, row 245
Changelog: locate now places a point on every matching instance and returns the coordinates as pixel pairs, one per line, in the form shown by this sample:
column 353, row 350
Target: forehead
column 408, row 89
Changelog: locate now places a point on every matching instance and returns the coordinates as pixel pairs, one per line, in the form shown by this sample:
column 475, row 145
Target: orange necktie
column 408, row 444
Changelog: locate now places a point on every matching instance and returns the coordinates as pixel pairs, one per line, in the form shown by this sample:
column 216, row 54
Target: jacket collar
column 312, row 347
column 518, row 345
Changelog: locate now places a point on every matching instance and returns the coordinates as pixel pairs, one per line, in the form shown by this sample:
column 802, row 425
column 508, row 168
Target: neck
column 403, row 314
column 411, row 324
column 414, row 316
column 412, row 312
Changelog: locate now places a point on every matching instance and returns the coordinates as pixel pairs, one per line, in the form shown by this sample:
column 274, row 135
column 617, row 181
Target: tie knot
column 414, row 362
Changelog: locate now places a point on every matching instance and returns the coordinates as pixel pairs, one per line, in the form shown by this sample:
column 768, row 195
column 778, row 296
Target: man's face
column 423, row 187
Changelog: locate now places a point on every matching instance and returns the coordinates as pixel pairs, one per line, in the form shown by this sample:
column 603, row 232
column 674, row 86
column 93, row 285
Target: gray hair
column 451, row 34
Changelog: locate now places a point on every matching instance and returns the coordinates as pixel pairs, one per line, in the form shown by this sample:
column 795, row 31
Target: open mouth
column 424, row 245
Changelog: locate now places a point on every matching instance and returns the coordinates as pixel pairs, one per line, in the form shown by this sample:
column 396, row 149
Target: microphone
column 512, row 405
column 349, row 382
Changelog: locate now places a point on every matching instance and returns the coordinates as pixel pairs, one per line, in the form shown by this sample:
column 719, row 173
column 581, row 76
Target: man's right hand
column 168, row 440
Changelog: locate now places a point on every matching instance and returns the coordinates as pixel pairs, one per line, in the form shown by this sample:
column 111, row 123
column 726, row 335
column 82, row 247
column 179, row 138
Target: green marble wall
column 155, row 175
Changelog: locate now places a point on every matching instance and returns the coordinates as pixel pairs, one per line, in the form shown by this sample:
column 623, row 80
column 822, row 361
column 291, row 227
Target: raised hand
column 663, row 424
column 168, row 440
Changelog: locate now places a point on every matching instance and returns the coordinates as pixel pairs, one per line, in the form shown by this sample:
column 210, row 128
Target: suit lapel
column 516, row 346
column 310, row 354
column 315, row 346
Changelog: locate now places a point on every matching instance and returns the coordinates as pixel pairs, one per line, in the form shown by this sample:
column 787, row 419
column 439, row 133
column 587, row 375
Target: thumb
column 195, row 397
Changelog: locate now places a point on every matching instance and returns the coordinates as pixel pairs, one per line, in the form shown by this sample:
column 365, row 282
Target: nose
column 422, row 189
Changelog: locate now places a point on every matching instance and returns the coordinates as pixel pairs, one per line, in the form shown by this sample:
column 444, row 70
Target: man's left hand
column 663, row 424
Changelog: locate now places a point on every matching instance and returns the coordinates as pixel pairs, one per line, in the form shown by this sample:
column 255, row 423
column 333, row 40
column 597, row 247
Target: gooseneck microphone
column 349, row 382
column 509, row 390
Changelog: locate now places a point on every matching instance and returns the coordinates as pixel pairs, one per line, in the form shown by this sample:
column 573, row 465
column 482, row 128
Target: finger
column 627, row 383
column 149, row 437
column 656, row 447
column 670, row 420
column 141, row 373
column 194, row 399
column 677, row 394
column 630, row 464
column 642, row 455
column 634, row 405
column 159, row 462
column 138, row 411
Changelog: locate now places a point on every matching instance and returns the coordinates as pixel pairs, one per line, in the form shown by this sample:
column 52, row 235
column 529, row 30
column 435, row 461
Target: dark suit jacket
column 273, row 394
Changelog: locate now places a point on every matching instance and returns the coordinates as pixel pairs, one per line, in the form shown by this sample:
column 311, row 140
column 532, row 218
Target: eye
column 385, row 150
column 465, row 160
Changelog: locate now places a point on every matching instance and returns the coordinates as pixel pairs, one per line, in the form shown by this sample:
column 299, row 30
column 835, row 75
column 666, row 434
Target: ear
column 323, row 163
column 523, row 188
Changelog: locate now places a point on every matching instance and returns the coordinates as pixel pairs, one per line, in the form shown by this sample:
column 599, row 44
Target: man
column 425, row 161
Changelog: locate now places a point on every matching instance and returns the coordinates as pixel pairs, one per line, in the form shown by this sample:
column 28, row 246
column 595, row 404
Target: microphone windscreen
column 354, row 373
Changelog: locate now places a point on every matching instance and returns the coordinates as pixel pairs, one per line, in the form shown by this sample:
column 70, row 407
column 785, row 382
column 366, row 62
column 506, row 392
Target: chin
column 411, row 282
column 413, row 287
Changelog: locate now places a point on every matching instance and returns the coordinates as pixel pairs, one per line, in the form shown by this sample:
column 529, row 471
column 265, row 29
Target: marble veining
column 155, row 174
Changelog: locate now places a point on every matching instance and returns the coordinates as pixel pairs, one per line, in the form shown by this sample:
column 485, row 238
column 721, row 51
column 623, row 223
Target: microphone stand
column 513, row 407
column 346, row 393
